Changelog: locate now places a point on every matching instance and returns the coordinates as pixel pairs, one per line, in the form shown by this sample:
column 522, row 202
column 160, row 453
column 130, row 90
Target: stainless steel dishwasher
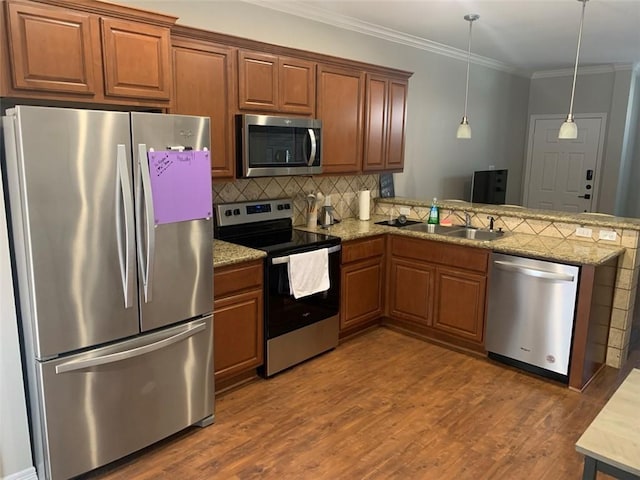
column 530, row 314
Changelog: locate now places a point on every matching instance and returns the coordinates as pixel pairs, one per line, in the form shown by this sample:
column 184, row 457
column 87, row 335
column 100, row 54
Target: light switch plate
column 608, row 235
column 405, row 210
column 583, row 232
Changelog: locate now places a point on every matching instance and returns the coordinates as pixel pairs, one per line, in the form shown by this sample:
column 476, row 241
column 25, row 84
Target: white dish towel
column 309, row 272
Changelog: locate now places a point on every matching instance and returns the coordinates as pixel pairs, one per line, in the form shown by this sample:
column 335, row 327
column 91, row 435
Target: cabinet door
column 361, row 292
column 459, row 305
column 375, row 144
column 53, row 49
column 396, row 124
column 136, row 59
column 411, row 291
column 340, row 107
column 257, row 81
column 297, row 85
column 238, row 334
column 203, row 85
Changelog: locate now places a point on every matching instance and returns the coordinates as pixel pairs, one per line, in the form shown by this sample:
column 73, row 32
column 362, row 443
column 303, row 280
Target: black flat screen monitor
column 489, row 186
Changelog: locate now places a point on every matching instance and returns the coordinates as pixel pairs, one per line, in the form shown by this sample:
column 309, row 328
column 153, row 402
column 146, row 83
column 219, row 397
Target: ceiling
column 526, row 35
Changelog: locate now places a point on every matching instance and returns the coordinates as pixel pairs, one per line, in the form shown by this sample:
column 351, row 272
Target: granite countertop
column 225, row 253
column 567, row 251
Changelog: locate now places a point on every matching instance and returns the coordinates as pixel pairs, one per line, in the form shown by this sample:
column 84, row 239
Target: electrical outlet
column 405, row 210
column 608, row 235
column 583, row 232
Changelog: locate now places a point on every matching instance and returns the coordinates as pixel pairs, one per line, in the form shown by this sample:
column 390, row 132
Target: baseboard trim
column 26, row 474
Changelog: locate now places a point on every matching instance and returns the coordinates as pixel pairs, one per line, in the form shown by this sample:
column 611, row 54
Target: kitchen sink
column 475, row 234
column 458, row 232
column 423, row 227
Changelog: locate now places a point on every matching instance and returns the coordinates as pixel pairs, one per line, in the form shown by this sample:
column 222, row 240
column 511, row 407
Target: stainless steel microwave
column 272, row 146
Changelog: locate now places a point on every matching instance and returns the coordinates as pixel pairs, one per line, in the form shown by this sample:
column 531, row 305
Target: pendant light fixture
column 464, row 130
column 569, row 130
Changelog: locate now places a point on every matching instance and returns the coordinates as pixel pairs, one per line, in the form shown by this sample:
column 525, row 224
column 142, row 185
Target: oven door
column 284, row 313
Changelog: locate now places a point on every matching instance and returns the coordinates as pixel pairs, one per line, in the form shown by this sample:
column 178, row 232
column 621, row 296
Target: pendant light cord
column 466, row 90
column 575, row 70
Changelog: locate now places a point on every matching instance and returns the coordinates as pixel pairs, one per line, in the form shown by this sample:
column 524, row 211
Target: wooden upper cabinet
column 340, row 107
column 385, row 122
column 257, row 81
column 85, row 51
column 397, row 123
column 275, row 84
column 297, row 85
column 53, row 49
column 136, row 59
column 203, row 85
column 376, row 123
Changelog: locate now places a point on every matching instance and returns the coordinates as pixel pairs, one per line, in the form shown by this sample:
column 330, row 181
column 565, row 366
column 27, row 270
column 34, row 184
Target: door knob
column 586, row 196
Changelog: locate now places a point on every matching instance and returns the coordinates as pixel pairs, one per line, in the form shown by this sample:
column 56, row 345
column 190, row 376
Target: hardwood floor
column 385, row 406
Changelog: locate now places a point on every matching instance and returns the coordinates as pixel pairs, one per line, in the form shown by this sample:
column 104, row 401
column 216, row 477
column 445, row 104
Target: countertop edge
column 584, row 253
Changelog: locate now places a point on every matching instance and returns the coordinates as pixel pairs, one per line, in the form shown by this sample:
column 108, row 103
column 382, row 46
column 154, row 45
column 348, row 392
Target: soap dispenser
column 434, row 213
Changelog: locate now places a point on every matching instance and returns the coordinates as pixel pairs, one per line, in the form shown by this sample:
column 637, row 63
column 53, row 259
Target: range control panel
column 238, row 213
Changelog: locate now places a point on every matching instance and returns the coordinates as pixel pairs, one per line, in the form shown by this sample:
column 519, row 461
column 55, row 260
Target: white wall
column 606, row 92
column 436, row 163
column 628, row 203
column 15, row 449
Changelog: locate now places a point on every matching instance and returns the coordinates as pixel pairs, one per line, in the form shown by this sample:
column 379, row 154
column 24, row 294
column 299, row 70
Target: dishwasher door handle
column 533, row 272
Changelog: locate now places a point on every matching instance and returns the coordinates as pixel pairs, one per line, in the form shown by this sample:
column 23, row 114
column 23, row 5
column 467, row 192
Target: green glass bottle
column 434, row 213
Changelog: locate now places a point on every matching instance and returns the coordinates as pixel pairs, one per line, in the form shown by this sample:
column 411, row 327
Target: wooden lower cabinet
column 438, row 290
column 362, row 280
column 411, row 291
column 459, row 303
column 238, row 331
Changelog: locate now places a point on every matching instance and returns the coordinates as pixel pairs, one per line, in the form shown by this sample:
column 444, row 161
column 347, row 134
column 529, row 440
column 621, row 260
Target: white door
column 563, row 174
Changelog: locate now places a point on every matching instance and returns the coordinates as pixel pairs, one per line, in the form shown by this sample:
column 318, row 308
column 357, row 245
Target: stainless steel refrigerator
column 115, row 289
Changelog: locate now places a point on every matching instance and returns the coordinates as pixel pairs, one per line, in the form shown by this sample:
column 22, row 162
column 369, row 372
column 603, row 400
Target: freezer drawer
column 104, row 404
column 530, row 312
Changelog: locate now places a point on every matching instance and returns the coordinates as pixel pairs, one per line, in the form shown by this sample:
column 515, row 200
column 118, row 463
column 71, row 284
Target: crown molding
column 321, row 15
column 587, row 70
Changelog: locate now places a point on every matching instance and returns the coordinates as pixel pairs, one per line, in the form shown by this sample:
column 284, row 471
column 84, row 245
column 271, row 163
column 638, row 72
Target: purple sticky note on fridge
column 181, row 185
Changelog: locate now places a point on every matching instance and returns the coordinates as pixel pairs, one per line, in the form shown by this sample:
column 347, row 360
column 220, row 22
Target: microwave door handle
column 314, row 145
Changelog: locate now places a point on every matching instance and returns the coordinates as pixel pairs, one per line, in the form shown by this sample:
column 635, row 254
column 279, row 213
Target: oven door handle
column 285, row 259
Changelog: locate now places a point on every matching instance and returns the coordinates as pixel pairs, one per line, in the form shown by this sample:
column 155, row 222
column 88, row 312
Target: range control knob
column 287, row 206
column 281, row 207
column 236, row 211
column 227, row 213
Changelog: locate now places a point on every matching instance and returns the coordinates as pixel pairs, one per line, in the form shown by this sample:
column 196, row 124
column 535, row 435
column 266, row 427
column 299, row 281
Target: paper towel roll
column 363, row 203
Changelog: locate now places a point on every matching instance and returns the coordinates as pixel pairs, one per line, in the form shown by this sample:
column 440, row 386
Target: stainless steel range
column 296, row 329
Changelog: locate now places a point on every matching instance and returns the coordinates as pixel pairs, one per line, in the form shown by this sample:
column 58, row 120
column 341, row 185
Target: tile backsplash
column 343, row 190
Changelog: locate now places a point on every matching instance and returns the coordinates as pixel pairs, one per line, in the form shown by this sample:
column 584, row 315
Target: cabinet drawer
column 361, row 249
column 234, row 278
column 460, row 256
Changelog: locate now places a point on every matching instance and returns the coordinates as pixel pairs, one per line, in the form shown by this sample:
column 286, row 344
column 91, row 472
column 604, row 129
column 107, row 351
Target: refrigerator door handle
column 124, row 202
column 144, row 196
column 127, row 354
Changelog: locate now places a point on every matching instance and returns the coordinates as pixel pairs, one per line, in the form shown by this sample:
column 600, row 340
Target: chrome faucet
column 491, row 220
column 467, row 220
